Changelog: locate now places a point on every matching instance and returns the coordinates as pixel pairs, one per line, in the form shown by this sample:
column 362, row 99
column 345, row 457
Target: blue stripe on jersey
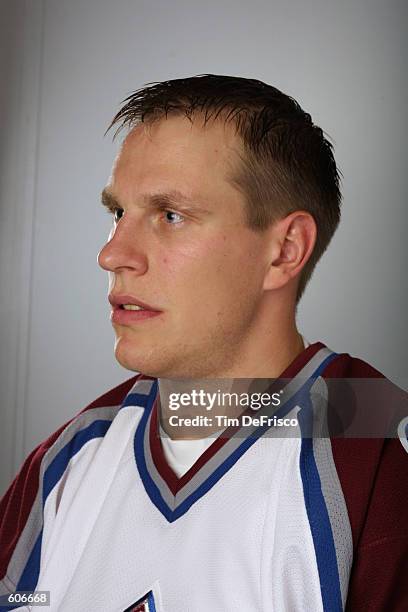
column 52, row 476
column 172, row 514
column 150, row 601
column 29, row 577
column 318, row 516
column 232, row 459
column 246, row 444
column 138, row 446
column 58, row 465
column 152, row 489
column 136, row 399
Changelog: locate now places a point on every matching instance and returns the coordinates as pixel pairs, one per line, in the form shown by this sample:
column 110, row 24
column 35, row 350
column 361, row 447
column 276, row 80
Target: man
column 224, row 196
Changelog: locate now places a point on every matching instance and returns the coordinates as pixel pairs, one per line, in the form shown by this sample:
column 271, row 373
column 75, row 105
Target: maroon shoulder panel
column 356, row 459
column 374, row 477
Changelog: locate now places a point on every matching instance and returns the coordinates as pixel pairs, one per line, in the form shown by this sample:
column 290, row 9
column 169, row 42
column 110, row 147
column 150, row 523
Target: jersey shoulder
column 348, row 366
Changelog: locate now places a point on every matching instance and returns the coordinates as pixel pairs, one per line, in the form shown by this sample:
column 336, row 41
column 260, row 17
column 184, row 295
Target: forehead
column 179, row 153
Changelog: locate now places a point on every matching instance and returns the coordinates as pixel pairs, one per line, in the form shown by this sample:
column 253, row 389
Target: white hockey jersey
column 259, row 523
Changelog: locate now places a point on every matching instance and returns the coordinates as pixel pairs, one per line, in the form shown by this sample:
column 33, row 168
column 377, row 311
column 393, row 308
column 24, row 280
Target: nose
column 123, row 251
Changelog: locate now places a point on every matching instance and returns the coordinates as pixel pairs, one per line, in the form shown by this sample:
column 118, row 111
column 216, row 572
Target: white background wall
column 65, row 65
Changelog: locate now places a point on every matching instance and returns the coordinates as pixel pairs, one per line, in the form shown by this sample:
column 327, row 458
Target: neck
column 269, row 357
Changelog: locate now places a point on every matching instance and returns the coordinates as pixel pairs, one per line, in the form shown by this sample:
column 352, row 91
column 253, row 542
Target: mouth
column 131, row 307
column 127, row 309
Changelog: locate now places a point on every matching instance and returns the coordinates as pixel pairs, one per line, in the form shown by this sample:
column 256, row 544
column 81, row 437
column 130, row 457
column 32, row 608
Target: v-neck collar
column 174, row 496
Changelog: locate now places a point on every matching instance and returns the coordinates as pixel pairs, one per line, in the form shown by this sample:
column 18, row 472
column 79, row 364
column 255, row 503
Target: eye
column 172, row 218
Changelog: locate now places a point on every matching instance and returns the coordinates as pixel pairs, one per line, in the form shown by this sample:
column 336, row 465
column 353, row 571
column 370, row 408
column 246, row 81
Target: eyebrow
column 169, row 199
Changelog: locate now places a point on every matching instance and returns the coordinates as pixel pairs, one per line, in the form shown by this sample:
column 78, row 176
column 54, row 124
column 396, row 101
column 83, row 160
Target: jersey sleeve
column 379, row 578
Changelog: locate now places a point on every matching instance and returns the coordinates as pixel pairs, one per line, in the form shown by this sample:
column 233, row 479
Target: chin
column 139, row 361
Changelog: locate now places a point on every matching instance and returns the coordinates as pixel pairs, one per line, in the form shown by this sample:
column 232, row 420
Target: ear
column 292, row 242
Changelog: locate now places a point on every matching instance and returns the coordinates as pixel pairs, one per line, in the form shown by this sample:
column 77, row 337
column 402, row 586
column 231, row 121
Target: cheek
column 222, row 264
column 179, row 264
column 216, row 273
column 240, row 261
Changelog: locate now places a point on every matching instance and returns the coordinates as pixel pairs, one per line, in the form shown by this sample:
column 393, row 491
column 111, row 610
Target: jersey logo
column 403, row 433
column 144, row 604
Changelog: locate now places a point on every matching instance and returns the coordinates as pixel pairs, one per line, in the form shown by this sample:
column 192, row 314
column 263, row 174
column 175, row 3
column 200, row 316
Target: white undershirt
column 181, row 455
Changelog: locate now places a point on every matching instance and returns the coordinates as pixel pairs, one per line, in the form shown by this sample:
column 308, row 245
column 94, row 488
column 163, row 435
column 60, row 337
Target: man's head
column 258, row 204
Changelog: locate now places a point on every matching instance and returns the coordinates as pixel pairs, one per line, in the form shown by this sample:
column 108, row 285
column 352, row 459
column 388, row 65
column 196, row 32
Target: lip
column 117, row 299
column 126, row 317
